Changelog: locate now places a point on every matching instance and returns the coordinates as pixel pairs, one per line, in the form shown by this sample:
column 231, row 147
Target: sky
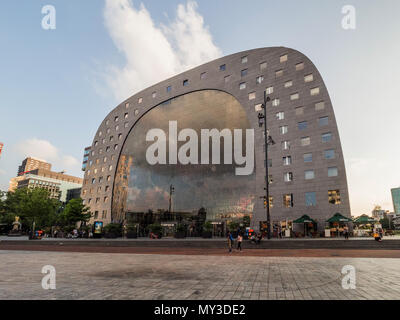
column 57, row 85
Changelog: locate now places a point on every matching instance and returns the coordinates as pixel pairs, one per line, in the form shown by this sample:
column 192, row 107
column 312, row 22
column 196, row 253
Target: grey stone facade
column 109, row 138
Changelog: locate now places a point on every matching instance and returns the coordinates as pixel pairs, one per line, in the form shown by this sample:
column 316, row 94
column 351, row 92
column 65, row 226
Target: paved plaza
column 154, row 276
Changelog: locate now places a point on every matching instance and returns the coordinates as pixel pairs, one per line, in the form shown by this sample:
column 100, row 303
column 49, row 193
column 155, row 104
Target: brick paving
column 155, row 276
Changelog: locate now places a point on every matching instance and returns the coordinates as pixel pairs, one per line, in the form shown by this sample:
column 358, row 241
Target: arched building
column 306, row 164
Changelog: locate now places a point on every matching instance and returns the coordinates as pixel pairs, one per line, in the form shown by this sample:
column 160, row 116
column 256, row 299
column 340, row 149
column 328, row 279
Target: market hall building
column 306, row 166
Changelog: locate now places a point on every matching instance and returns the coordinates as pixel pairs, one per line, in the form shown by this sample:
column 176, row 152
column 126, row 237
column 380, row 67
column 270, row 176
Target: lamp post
column 171, row 191
column 262, row 120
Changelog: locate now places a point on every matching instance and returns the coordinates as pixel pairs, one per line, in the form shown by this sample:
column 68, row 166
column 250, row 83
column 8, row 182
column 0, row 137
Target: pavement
column 103, row 276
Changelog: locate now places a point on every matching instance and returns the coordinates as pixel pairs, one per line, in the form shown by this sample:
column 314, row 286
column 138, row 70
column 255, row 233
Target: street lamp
column 171, row 191
column 262, row 120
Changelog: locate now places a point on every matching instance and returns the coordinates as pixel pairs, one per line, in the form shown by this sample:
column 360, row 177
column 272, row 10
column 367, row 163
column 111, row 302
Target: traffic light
column 265, row 202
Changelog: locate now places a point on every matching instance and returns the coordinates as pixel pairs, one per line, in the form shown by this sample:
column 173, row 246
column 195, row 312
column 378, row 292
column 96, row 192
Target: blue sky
column 56, row 85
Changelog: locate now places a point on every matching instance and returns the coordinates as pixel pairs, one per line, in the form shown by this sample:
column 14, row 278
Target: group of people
column 231, row 240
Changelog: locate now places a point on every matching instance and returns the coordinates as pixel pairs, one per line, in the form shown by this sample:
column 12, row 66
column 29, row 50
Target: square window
column 285, row 145
column 283, row 129
column 222, row 67
column 288, row 176
column 126, row 124
column 127, row 105
column 169, row 89
column 334, row 196
column 287, row 161
column 244, row 59
column 263, row 65
column 185, row 83
column 299, row 111
column 140, row 100
column 326, row 137
column 320, row 106
column 259, row 79
column 302, row 125
column 299, row 66
column 116, row 119
column 258, row 107
column 154, row 94
column 294, row 96
column 203, row 75
column 279, row 73
column 136, row 112
column 242, row 86
column 252, row 96
column 308, row 77
column 126, row 115
column 280, row 116
column 243, row 73
column 306, row 141
column 288, row 84
column 329, row 154
column 311, row 199
column 275, row 102
column 323, row 121
column 307, row 157
column 332, row 172
column 283, row 58
column 288, row 200
column 314, row 91
column 309, row 174
column 269, row 90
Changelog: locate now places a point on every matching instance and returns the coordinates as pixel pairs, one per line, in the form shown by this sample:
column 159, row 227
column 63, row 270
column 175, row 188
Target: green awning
column 364, row 219
column 304, row 219
column 337, row 217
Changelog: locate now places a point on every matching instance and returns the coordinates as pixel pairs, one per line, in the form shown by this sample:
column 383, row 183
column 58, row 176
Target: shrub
column 113, row 229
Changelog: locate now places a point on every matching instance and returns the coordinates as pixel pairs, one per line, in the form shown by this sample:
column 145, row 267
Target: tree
column 75, row 211
column 385, row 223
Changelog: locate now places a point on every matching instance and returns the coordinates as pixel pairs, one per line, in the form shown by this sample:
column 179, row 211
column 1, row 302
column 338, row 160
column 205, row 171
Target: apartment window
column 140, row 100
column 334, row 196
column 326, row 137
column 120, row 136
column 105, row 159
column 96, row 143
column 243, row 73
column 311, row 199
column 111, row 138
column 185, row 83
column 288, row 84
column 100, row 181
column 127, row 105
column 270, row 179
column 314, row 91
column 154, row 94
column 100, row 134
column 329, row 154
column 115, row 147
column 258, row 107
column 108, row 130
column 169, row 89
column 244, row 59
column 279, row 73
column 275, row 102
column 203, row 75
column 227, row 78
column 307, row 157
column 108, row 178
column 288, row 176
column 104, row 216
column 305, row 141
column 126, row 124
column 294, row 96
column 222, row 67
column 302, row 125
column 116, row 128
column 299, row 111
column 110, row 168
column 323, row 121
column 309, row 174
column 283, row 58
column 287, row 161
column 280, row 116
column 299, row 66
column 285, row 145
column 308, row 78
column 107, row 122
column 269, row 90
column 126, row 115
column 93, row 180
column 105, row 200
column 332, row 172
column 288, row 200
column 252, row 96
column 283, row 129
column 104, row 140
column 263, row 65
column 320, row 106
column 259, row 79
column 136, row 112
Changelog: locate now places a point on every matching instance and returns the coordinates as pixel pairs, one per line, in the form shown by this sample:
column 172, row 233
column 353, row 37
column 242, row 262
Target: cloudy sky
column 56, row 86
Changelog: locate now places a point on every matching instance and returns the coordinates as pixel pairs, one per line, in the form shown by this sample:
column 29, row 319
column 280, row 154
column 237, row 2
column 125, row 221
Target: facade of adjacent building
column 31, row 163
column 306, row 166
column 396, row 200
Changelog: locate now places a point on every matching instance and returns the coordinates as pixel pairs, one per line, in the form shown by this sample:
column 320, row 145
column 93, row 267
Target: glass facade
column 213, row 191
column 396, row 200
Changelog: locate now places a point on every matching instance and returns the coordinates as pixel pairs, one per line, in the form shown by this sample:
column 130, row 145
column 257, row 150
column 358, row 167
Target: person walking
column 346, row 232
column 230, row 241
column 239, row 242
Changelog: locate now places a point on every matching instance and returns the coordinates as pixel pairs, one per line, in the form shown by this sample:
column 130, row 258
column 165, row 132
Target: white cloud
column 44, row 150
column 154, row 53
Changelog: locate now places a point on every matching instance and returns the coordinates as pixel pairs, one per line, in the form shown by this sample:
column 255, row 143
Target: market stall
column 309, row 226
column 337, row 222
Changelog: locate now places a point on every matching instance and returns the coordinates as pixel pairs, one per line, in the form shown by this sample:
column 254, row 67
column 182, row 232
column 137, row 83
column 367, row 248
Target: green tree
column 385, row 223
column 75, row 211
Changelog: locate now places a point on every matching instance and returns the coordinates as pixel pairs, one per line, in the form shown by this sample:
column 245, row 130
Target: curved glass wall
column 174, row 191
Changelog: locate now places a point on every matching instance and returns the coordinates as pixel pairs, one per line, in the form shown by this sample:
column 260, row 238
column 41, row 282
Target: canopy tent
column 364, row 219
column 337, row 217
column 304, row 219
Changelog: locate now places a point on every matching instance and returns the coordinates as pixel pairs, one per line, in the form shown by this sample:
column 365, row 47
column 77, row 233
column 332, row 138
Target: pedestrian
column 239, row 242
column 346, row 232
column 230, row 242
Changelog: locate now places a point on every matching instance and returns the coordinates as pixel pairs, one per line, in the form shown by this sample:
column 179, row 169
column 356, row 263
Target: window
column 169, row 89
column 285, row 145
column 309, row 174
column 242, row 86
column 287, row 161
column 127, row 105
column 258, row 107
column 252, row 96
column 308, row 78
column 108, row 178
column 93, row 180
column 288, row 176
column 329, row 154
column 326, row 137
column 136, row 112
column 263, row 65
column 283, row 58
column 126, row 115
column 259, row 79
column 314, row 91
column 307, row 157
column 270, row 179
column 227, row 78
column 299, row 66
column 288, row 84
column 311, row 199
column 203, row 75
column 120, row 136
column 116, row 128
column 299, row 111
column 302, row 125
column 280, row 116
column 140, row 100
column 100, row 181
column 283, row 129
column 107, row 188
column 294, row 96
column 126, row 124
column 185, row 83
column 332, row 172
column 154, row 94
column 305, row 141
column 320, row 106
column 323, row 121
column 275, row 102
column 279, row 73
column 269, row 90
column 244, row 59
column 222, row 67
column 105, row 159
column 100, row 134
column 243, row 73
column 115, row 147
column 105, row 200
column 288, row 200
column 334, row 196
column 111, row 138
column 108, row 130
